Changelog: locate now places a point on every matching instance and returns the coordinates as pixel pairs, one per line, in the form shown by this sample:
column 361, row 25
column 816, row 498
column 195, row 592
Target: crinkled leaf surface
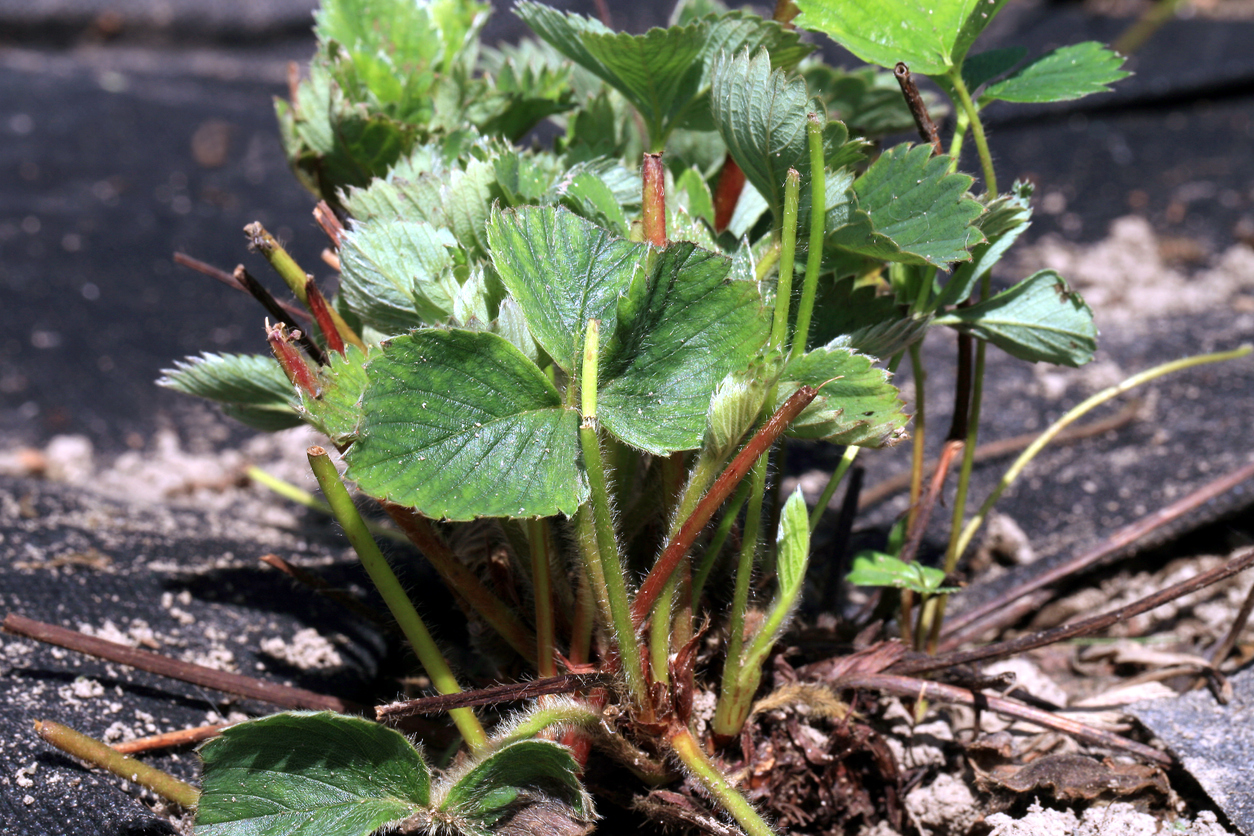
column 460, row 424
column 562, row 271
column 910, row 209
column 397, row 274
column 525, row 770
column 308, row 774
column 1039, row 319
column 251, row 388
column 856, row 406
column 930, row 36
column 680, row 328
column 1071, row 72
column 761, row 116
column 664, row 73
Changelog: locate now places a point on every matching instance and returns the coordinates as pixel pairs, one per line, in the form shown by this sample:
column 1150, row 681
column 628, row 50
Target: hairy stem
column 787, row 253
column 977, row 129
column 691, row 755
column 603, row 520
column 402, row 609
column 541, row 547
column 814, row 256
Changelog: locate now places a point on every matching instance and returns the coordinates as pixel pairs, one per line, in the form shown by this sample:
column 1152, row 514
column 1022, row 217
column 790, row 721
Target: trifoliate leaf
column 1071, row 72
column 856, row 404
column 1039, row 319
column 930, row 37
column 872, row 568
column 397, row 275
column 301, row 774
column 460, row 424
column 251, row 388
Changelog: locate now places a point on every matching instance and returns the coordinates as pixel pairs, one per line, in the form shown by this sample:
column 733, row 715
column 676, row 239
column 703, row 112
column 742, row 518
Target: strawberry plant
column 591, row 350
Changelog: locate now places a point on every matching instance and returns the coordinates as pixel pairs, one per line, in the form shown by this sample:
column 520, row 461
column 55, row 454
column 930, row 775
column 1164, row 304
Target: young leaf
column 460, row 424
column 910, row 209
column 680, row 328
column 309, row 773
column 562, row 271
column 872, row 568
column 792, row 544
column 251, row 388
column 397, row 275
column 522, row 773
column 930, row 37
column 1071, row 72
column 1039, row 319
column 856, row 406
column 761, row 115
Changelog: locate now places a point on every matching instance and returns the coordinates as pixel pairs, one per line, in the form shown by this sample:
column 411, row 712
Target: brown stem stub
column 654, row 208
column 922, row 120
column 731, row 182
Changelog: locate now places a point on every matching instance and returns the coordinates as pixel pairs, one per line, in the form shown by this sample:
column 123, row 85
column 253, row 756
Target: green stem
column 106, row 757
column 541, row 548
column 302, row 497
column 954, row 550
column 961, row 124
column 603, row 520
column 725, row 720
column 814, row 256
column 977, row 129
column 920, row 430
column 787, row 254
column 716, row 784
column 838, row 475
column 717, row 540
column 402, row 609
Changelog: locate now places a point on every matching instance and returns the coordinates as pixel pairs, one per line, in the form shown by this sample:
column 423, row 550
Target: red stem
column 731, row 182
column 722, row 488
column 654, row 214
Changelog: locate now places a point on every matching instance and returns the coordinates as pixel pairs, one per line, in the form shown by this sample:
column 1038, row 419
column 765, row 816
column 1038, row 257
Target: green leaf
column 1006, row 218
column 397, row 275
column 519, row 773
column 337, row 409
column 251, row 388
column 792, row 544
column 856, row 404
column 664, row 73
column 986, row 66
column 679, row 329
column 761, row 115
column 872, row 568
column 862, row 319
column 1071, row 72
column 410, row 192
column 460, row 424
column 909, row 209
column 1039, row 319
column 693, row 192
column 562, row 271
column 309, row 774
column 792, row 548
column 737, row 402
column 930, row 37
